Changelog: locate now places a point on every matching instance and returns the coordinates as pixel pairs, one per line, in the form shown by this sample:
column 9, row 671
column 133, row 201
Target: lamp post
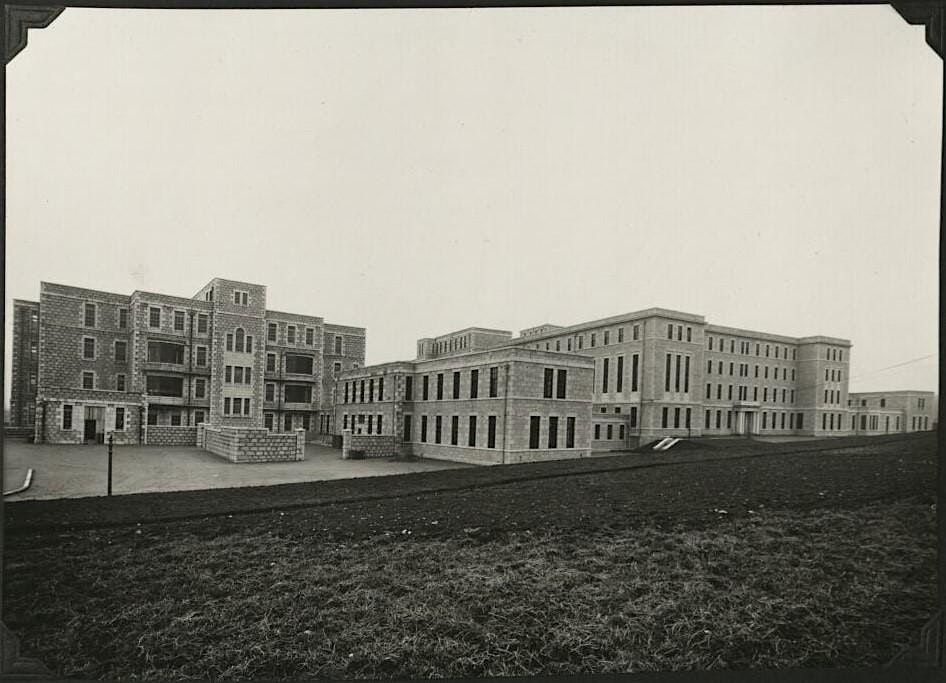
column 111, row 440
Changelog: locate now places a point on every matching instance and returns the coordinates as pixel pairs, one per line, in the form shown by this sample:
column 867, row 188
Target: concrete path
column 79, row 471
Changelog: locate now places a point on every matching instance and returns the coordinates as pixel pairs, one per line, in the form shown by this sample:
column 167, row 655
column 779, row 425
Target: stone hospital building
column 147, row 366
column 482, row 395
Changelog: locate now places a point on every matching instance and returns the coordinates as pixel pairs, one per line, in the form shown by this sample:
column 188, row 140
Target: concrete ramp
column 666, row 444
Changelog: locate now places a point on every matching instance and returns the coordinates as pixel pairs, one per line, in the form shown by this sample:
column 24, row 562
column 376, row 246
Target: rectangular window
column 154, row 317
column 491, row 432
column 175, row 419
column 592, row 340
column 440, row 386
column 338, row 345
column 381, row 388
column 604, row 375
column 471, row 432
column 607, row 337
column 67, row 417
column 380, row 417
column 569, row 431
column 237, row 375
column 407, row 428
column 271, row 392
column 581, row 342
column 226, row 405
column 88, row 348
column 122, row 318
column 553, row 432
column 669, row 331
column 474, row 383
column 456, row 385
column 547, row 383
column 620, row 335
column 271, row 332
column 438, row 429
column 597, row 432
column 89, row 315
column 719, row 418
column 178, row 321
column 636, row 332
column 88, row 380
column 561, row 389
column 200, row 388
column 610, row 435
column 152, row 418
column 676, row 372
column 160, row 385
column 298, row 393
column 299, row 365
column 686, row 376
column 676, row 418
column 198, row 417
column 706, row 420
column 423, row 429
column 454, row 430
column 165, row 352
column 534, row 424
column 309, row 336
column 667, row 374
column 665, row 413
column 270, row 362
column 119, row 382
column 229, row 342
column 291, row 334
column 201, row 324
column 426, row 387
column 689, row 334
column 633, row 416
column 287, row 422
column 228, row 374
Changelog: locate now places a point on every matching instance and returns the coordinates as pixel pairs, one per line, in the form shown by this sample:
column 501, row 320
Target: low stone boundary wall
column 242, row 444
column 170, row 435
column 373, row 445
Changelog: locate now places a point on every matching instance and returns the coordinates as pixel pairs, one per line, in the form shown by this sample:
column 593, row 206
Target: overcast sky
column 419, row 171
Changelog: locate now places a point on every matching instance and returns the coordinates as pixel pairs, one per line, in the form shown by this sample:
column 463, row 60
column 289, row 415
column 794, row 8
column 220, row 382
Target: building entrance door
column 750, row 420
column 94, row 423
column 89, row 430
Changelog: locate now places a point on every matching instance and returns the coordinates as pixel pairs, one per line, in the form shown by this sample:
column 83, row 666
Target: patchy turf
column 806, row 559
column 94, row 512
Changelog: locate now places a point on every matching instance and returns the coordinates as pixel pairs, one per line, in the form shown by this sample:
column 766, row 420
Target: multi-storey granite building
column 123, row 363
column 25, row 366
column 468, row 397
column 653, row 373
column 892, row 412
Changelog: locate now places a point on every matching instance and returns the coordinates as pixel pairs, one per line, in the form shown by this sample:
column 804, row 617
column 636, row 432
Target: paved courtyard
column 78, row 471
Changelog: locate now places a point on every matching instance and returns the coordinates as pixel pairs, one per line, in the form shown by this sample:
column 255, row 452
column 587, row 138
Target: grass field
column 789, row 559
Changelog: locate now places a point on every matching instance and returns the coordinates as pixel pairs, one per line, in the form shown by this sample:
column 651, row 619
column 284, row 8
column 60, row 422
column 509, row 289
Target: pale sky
column 420, row 171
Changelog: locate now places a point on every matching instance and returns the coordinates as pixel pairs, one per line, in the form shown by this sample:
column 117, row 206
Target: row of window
column 577, row 342
column 743, row 369
column 236, row 374
column 610, row 432
column 175, row 418
column 269, row 422
column 236, row 406
column 292, row 393
column 239, row 341
column 619, row 373
column 90, row 316
column 919, row 422
column 745, row 348
column 832, row 353
column 357, row 390
column 154, row 320
column 742, row 393
column 296, row 364
column 675, row 359
column 118, row 423
column 453, row 344
column 832, row 396
column 829, row 423
column 832, row 375
column 769, row 420
column 272, row 330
